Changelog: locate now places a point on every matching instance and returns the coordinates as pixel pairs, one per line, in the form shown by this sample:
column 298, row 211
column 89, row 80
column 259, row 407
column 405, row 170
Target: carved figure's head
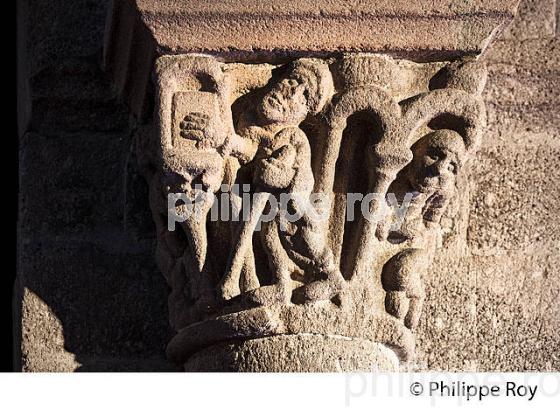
column 437, row 159
column 304, row 89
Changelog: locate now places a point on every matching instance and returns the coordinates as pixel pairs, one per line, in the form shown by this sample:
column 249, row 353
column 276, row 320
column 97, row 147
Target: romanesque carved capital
column 302, row 179
column 300, row 203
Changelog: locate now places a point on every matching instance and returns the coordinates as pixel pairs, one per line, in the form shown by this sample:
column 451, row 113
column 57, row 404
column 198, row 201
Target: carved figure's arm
column 434, row 208
column 244, row 149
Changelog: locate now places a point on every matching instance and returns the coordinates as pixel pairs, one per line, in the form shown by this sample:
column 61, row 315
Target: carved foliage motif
column 364, row 124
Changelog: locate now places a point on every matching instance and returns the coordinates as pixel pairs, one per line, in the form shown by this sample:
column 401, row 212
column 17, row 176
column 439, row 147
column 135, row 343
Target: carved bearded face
column 436, row 162
column 286, row 102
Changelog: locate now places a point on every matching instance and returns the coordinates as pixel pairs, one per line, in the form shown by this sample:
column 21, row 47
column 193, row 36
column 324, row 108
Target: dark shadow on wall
column 86, row 270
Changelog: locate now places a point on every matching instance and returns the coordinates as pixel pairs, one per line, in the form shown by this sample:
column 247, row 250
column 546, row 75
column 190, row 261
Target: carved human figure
column 430, row 179
column 282, row 164
column 402, row 280
column 196, row 168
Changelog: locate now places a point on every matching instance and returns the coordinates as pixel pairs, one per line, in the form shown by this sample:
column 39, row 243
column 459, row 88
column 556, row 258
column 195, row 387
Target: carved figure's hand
column 202, row 128
column 383, row 229
column 435, row 207
column 277, row 170
column 194, row 125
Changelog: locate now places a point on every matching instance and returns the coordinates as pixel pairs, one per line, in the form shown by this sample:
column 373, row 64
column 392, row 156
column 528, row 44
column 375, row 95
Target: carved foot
column 397, row 304
column 204, row 306
column 325, row 289
column 227, row 290
column 269, row 295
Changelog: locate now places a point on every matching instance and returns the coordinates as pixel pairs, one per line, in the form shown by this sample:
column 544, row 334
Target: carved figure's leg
column 402, row 280
column 416, row 304
column 249, row 280
column 281, row 290
column 196, row 232
column 397, row 304
column 414, row 312
column 333, row 284
column 311, row 243
column 229, row 287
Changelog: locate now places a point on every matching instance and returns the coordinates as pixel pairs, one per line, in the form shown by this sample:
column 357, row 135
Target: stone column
column 360, row 126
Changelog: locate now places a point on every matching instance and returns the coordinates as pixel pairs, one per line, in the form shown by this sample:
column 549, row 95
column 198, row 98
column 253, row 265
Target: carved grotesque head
column 304, row 89
column 437, row 159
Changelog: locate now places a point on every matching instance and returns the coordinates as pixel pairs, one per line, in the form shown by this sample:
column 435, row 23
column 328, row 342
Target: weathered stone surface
column 521, row 90
column 42, row 334
column 299, row 353
column 73, row 96
column 249, row 25
column 538, row 54
column 447, row 333
column 418, row 124
column 61, row 84
column 492, row 297
column 535, row 19
column 250, row 30
column 83, row 245
column 493, row 313
column 61, row 29
column 72, row 184
column 515, row 208
column 508, row 316
column 517, row 88
column 290, row 319
column 518, row 313
column 76, row 287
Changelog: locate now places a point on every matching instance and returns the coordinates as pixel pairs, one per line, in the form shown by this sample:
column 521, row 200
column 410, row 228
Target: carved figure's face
column 436, row 161
column 286, row 102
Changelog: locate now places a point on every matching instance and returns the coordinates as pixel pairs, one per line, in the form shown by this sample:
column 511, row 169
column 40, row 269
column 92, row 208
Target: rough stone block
column 522, row 88
column 42, row 337
column 103, row 300
column 514, row 198
column 534, row 19
column 72, row 184
column 250, row 30
column 61, row 29
column 521, row 92
column 518, row 314
column 536, row 55
column 75, row 95
column 447, row 333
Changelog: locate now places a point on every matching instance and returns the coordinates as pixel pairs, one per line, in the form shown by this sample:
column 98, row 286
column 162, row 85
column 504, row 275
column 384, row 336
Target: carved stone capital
column 299, row 195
